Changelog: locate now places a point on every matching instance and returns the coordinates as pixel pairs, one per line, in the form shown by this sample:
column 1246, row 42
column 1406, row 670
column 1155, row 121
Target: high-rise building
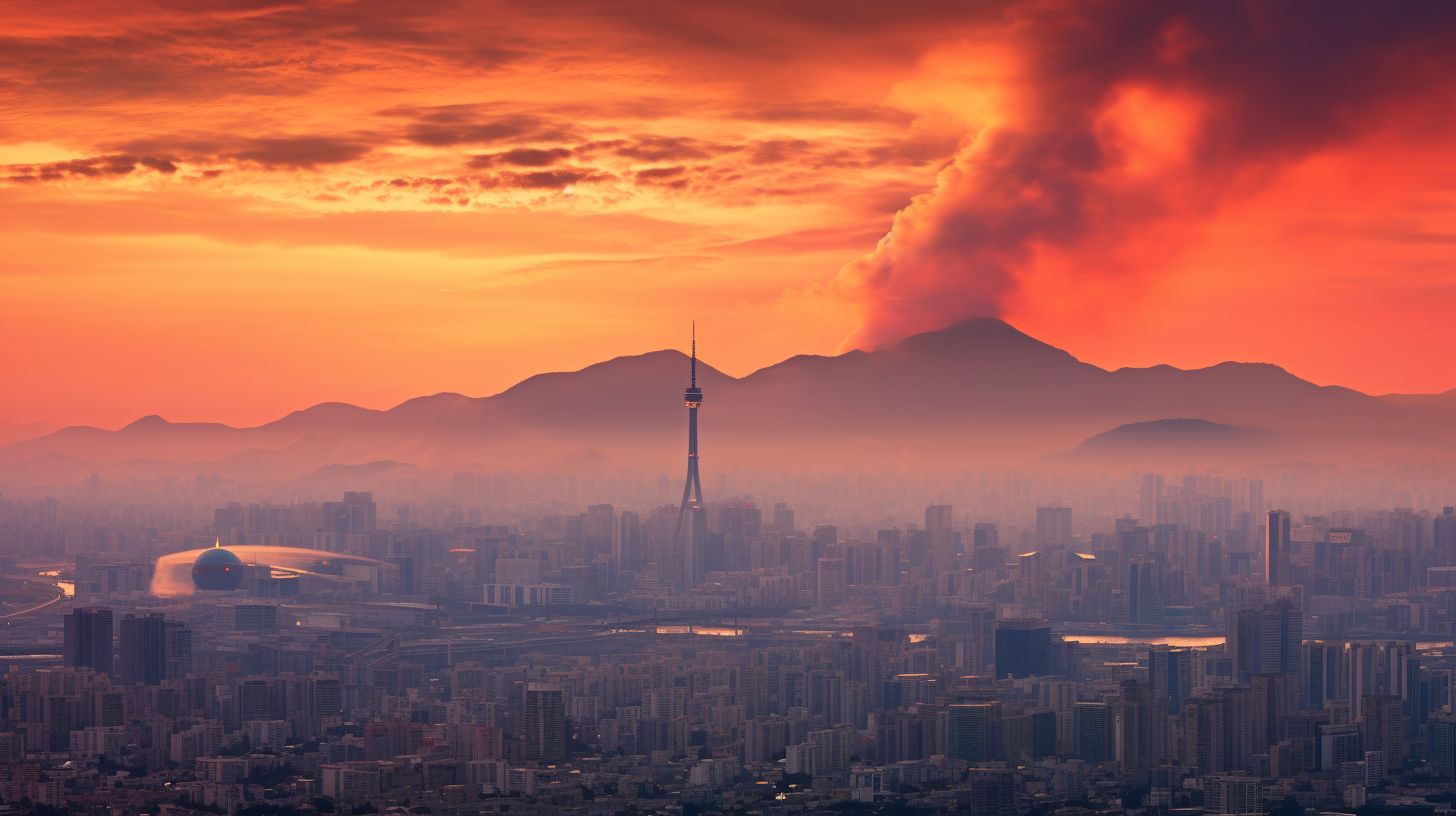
column 153, row 649
column 1268, row 640
column 1030, row 735
column 255, row 618
column 944, row 541
column 990, row 792
column 142, row 646
column 1150, row 497
column 783, row 518
column 1275, row 698
column 938, row 517
column 689, row 541
column 1137, row 716
column 1144, row 592
column 1023, row 648
column 1171, row 671
column 543, row 725
column 1233, row 796
column 1381, row 727
column 975, row 731
column 1093, row 732
column 1443, row 538
column 1217, row 731
column 1441, row 747
column 88, row 634
column 1053, row 527
column 1276, row 549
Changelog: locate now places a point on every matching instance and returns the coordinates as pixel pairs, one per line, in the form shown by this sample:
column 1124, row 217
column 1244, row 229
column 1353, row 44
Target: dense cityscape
column 1198, row 652
column 1080, row 432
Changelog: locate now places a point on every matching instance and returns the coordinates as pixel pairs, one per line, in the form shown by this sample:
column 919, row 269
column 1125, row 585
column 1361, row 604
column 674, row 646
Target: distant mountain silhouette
column 977, row 391
column 1176, row 440
column 10, row 433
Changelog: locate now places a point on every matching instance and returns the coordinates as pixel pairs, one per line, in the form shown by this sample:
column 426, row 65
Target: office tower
column 968, row 637
column 974, row 731
column 692, row 545
column 1275, row 697
column 1093, row 732
column 985, row 535
column 1443, row 538
column 1032, row 570
column 543, row 725
column 1217, row 731
column 1171, row 671
column 1053, row 527
column 142, row 647
column 1144, row 592
column 990, row 792
column 1378, row 668
column 1380, row 729
column 1030, row 735
column 1023, row 648
column 255, row 618
column 1324, row 674
column 1233, row 795
column 1150, row 497
column 176, row 650
column 830, row 581
column 1276, row 549
column 152, row 649
column 938, row 517
column 599, row 530
column 630, row 542
column 944, row 542
column 783, row 518
column 1441, row 747
column 1138, row 715
column 1339, row 743
column 356, row 516
column 88, row 639
column 1268, row 640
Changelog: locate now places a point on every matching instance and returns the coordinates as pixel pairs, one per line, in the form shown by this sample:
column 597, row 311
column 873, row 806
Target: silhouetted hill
column 11, row 433
column 1175, row 441
column 977, row 391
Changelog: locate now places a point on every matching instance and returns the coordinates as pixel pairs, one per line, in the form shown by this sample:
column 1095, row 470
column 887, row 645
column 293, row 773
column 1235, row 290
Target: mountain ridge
column 977, row 388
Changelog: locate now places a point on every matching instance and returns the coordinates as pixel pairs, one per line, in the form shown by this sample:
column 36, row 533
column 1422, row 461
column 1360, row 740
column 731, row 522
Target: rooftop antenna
column 695, row 354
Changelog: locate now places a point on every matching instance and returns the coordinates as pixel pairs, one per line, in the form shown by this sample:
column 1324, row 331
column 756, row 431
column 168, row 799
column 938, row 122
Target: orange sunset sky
column 228, row 210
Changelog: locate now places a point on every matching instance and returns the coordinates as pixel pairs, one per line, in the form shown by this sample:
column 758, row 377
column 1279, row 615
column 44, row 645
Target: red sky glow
column 227, row 210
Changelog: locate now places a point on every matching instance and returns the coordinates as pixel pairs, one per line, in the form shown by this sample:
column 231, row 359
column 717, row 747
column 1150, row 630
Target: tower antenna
column 693, row 548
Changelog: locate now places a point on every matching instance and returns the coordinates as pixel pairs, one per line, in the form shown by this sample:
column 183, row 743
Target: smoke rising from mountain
column 1094, row 123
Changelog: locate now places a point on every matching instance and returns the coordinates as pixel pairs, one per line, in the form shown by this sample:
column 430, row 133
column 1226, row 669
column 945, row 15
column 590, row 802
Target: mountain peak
column 984, row 338
column 975, row 330
column 147, row 422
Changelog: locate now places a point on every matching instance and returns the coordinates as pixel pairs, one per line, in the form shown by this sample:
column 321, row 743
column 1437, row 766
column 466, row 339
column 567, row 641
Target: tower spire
column 692, row 546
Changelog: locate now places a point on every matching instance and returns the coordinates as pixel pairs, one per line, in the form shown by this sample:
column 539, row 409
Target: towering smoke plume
column 1116, row 117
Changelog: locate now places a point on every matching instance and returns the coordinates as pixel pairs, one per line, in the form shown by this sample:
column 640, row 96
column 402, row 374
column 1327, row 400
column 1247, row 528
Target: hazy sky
column 227, row 210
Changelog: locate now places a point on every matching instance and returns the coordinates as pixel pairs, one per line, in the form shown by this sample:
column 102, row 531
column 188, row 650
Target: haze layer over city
column 1025, row 408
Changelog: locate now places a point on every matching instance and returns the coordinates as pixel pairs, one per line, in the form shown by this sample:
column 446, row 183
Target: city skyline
column 224, row 215
column 1081, row 433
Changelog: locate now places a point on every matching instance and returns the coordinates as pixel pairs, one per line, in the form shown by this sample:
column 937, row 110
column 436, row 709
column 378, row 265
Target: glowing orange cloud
column 226, row 212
